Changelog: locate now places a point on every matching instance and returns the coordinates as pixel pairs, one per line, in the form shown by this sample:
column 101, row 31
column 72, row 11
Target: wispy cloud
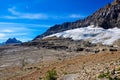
column 21, row 15
column 68, row 16
column 7, row 30
column 22, row 31
column 2, row 35
column 21, row 28
column 12, row 10
column 76, row 16
column 38, row 16
column 9, row 17
column 19, row 25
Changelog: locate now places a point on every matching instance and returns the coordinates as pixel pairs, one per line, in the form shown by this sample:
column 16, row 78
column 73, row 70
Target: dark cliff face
column 107, row 17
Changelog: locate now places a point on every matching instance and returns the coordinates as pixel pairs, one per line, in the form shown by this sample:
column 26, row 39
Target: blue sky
column 25, row 19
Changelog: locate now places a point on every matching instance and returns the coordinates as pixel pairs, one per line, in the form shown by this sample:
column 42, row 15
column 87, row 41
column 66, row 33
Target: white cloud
column 67, row 16
column 7, row 30
column 40, row 16
column 76, row 16
column 2, row 35
column 19, row 29
column 9, row 17
column 21, row 25
column 12, row 10
column 22, row 31
column 21, row 15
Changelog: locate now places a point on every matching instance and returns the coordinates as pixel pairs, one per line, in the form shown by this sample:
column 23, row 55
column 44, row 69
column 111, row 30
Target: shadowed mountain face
column 13, row 41
column 107, row 17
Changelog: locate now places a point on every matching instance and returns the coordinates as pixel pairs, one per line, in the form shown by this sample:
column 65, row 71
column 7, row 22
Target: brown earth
column 87, row 67
column 73, row 60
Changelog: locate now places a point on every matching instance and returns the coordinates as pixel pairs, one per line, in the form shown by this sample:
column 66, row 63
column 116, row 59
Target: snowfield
column 91, row 33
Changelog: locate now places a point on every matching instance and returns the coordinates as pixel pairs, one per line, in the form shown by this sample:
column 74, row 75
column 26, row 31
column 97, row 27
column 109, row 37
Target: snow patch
column 91, row 33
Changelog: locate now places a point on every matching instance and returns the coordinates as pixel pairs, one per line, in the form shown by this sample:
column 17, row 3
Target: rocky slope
column 71, row 59
column 88, row 67
column 107, row 17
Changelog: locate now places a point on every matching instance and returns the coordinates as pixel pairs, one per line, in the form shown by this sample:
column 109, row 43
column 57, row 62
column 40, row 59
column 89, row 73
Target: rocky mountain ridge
column 106, row 17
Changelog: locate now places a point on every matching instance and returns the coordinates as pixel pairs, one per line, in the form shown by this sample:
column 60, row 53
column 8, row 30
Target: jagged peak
column 12, row 41
column 106, row 17
column 116, row 2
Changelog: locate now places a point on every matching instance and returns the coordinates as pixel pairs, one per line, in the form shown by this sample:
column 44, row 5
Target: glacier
column 91, row 33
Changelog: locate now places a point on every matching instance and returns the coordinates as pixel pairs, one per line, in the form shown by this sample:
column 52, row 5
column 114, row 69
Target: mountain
column 0, row 43
column 106, row 18
column 13, row 41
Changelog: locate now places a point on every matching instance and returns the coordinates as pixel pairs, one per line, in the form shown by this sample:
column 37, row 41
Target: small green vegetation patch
column 104, row 75
column 51, row 75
